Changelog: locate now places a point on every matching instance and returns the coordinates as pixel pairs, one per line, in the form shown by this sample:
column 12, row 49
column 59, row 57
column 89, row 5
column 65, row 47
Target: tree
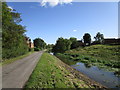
column 61, row 45
column 13, row 38
column 87, row 39
column 39, row 43
column 99, row 38
column 75, row 43
column 49, row 47
column 72, row 39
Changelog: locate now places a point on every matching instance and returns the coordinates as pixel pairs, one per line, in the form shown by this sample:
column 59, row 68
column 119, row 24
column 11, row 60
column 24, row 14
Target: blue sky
column 68, row 20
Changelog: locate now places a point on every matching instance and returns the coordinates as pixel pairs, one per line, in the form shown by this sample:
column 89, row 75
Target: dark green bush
column 31, row 49
column 36, row 49
column 13, row 52
column 86, row 58
column 74, row 55
column 62, row 56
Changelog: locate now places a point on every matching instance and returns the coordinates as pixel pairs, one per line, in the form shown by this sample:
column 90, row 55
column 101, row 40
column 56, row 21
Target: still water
column 102, row 76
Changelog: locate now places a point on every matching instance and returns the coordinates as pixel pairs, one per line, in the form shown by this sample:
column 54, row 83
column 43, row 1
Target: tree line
column 63, row 45
column 13, row 37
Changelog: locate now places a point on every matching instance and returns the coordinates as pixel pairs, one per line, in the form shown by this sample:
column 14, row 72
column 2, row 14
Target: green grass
column 103, row 56
column 49, row 73
column 8, row 61
column 99, row 51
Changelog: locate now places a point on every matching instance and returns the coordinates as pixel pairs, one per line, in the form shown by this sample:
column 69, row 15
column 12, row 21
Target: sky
column 51, row 21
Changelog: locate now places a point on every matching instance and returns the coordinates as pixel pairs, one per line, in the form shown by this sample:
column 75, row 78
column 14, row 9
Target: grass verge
column 8, row 61
column 49, row 73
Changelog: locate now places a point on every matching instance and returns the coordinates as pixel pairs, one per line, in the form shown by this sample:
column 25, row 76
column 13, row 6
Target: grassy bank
column 50, row 73
column 103, row 56
column 8, row 61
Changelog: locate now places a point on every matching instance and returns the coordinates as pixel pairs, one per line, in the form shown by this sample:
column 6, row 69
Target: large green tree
column 87, row 39
column 61, row 45
column 39, row 43
column 49, row 47
column 75, row 43
column 99, row 38
column 13, row 38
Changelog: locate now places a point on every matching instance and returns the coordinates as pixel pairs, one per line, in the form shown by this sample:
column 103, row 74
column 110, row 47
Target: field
column 103, row 56
column 49, row 73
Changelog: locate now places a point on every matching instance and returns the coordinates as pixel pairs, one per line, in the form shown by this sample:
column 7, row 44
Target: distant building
column 112, row 41
column 29, row 43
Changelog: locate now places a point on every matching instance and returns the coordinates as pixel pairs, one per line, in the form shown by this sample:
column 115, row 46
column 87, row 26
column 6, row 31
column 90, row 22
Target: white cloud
column 10, row 8
column 53, row 3
column 74, row 30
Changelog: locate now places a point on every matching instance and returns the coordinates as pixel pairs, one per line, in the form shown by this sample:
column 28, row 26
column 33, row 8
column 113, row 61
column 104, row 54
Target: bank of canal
column 51, row 72
column 99, row 62
column 102, row 76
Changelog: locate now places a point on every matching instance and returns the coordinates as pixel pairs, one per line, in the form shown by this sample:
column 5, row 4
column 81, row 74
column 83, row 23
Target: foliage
column 87, row 39
column 49, row 47
column 39, row 43
column 72, row 39
column 99, row 38
column 8, row 61
column 75, row 43
column 13, row 39
column 36, row 49
column 65, row 58
column 61, row 45
column 31, row 49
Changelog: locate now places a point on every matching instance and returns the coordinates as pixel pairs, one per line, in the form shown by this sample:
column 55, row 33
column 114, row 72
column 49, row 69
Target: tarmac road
column 16, row 74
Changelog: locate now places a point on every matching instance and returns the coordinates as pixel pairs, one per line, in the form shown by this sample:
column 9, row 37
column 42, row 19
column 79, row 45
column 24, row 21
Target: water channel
column 102, row 76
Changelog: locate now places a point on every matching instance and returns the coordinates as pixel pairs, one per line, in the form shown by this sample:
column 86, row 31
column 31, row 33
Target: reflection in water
column 100, row 75
column 87, row 65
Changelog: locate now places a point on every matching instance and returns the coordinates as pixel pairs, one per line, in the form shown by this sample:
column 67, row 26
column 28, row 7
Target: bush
column 74, row 55
column 36, row 49
column 86, row 58
column 14, row 52
column 62, row 56
column 31, row 49
column 77, row 59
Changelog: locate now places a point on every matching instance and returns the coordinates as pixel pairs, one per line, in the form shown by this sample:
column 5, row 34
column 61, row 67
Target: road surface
column 16, row 74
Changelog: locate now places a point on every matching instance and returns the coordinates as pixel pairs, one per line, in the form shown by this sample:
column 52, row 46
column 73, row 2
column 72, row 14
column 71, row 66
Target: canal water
column 102, row 76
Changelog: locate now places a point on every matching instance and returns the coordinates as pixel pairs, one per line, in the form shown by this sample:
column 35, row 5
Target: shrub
column 86, row 58
column 62, row 56
column 36, row 49
column 31, row 49
column 76, row 59
column 74, row 55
